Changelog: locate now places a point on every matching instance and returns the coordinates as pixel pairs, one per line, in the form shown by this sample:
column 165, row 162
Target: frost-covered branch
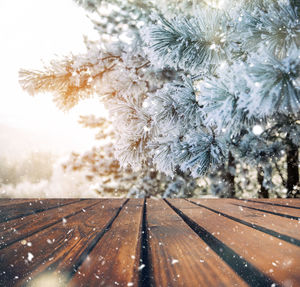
column 70, row 79
column 192, row 43
column 190, row 84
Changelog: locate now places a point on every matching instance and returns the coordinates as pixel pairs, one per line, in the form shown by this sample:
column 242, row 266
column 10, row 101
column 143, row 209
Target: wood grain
column 115, row 259
column 23, row 227
column 287, row 202
column 277, row 210
column 11, row 201
column 25, row 207
column 276, row 259
column 255, row 218
column 59, row 247
column 174, row 242
column 178, row 256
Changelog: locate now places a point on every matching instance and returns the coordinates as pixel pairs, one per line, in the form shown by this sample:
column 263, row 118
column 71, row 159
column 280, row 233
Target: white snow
column 174, row 261
column 257, row 130
column 141, row 267
column 30, row 256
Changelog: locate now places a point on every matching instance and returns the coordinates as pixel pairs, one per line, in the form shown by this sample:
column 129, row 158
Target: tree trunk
column 229, row 175
column 263, row 193
column 292, row 154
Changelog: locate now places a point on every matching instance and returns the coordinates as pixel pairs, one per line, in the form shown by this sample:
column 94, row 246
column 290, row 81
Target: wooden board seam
column 249, row 273
column 281, row 236
column 270, row 203
column 270, row 212
column 146, row 274
column 90, row 247
column 40, row 210
column 46, row 226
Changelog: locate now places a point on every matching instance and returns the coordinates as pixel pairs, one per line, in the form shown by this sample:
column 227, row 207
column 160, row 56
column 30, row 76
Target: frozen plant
column 186, row 87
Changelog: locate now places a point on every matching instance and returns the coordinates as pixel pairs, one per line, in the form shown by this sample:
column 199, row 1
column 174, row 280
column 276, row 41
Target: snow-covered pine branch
column 275, row 84
column 273, row 26
column 71, row 79
column 187, row 88
column 191, row 43
column 220, row 95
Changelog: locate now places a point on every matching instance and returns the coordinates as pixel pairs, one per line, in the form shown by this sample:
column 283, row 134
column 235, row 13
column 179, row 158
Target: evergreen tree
column 100, row 164
column 189, row 83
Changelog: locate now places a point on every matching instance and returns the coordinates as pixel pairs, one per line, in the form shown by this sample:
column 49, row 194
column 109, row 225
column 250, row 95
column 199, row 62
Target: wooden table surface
column 137, row 242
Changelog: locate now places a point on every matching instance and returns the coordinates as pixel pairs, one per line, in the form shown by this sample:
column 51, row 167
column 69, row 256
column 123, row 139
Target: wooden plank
column 179, row 257
column 20, row 228
column 277, row 259
column 26, row 207
column 64, row 244
column 285, row 226
column 274, row 209
column 115, row 259
column 287, row 202
column 10, row 201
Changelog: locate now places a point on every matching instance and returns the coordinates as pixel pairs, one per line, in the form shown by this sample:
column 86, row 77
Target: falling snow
column 174, row 261
column 30, row 256
column 141, row 267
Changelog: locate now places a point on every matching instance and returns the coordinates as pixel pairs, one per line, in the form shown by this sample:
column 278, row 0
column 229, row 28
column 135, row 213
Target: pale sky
column 31, row 31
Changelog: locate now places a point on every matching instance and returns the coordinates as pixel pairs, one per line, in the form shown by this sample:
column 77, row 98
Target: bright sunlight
column 32, row 32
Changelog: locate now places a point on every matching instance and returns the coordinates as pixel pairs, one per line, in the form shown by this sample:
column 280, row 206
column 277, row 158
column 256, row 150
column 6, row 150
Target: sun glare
column 33, row 32
column 219, row 4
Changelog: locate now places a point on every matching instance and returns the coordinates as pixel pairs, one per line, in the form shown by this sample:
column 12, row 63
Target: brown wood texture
column 256, row 219
column 19, row 228
column 137, row 242
column 24, row 207
column 59, row 247
column 287, row 202
column 267, row 208
column 10, row 201
column 275, row 258
column 115, row 259
column 184, row 258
